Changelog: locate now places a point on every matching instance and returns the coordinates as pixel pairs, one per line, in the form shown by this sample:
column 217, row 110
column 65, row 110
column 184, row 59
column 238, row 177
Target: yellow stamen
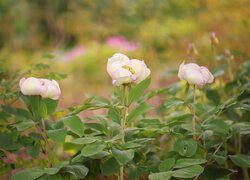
column 129, row 68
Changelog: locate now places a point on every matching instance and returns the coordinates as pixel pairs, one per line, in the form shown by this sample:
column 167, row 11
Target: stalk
column 47, row 144
column 245, row 172
column 123, row 122
column 215, row 55
column 230, row 72
column 204, row 145
column 193, row 115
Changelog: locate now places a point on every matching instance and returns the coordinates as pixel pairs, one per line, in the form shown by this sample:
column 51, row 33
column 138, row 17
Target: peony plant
column 125, row 142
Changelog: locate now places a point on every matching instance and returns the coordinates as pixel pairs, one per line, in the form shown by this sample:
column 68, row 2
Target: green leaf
column 92, row 149
column 42, row 109
column 114, row 116
column 50, row 177
column 7, row 141
column 167, row 164
column 25, row 125
column 85, row 140
column 242, row 128
column 220, row 70
column 161, row 176
column 20, row 114
column 33, row 151
column 36, row 136
column 188, row 172
column 51, row 171
column 57, row 135
column 171, row 72
column 241, row 160
column 136, row 92
column 79, row 109
column 180, row 163
column 75, row 124
column 213, row 172
column 28, row 174
column 51, row 105
column 170, row 103
column 134, row 171
column 123, row 156
column 213, row 96
column 110, row 167
column 35, row 107
column 218, row 126
column 150, row 121
column 185, row 147
column 79, row 171
column 96, row 126
column 143, row 108
column 99, row 155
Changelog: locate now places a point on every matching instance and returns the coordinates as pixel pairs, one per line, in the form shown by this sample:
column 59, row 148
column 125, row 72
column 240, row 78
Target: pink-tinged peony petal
column 195, row 77
column 207, row 74
column 51, row 89
column 31, row 86
column 21, row 82
column 184, row 67
column 116, row 61
column 181, row 71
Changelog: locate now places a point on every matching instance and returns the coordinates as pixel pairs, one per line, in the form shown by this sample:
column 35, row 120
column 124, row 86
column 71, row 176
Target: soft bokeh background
column 77, row 37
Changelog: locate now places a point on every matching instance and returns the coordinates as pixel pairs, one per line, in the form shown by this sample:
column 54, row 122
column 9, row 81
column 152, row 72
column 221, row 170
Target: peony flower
column 124, row 71
column 51, row 89
column 30, row 86
column 43, row 87
column 195, row 75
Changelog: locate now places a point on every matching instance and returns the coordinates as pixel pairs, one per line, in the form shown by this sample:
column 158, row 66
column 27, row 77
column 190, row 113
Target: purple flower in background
column 74, row 53
column 122, row 43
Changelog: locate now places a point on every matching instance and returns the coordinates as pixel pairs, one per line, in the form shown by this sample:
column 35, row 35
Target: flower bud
column 192, row 49
column 213, row 38
column 195, row 75
column 228, row 55
column 125, row 71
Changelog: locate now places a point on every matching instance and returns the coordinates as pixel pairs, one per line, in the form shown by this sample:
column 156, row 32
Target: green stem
column 239, row 145
column 121, row 172
column 226, row 148
column 123, row 122
column 48, row 147
column 230, row 72
column 204, row 145
column 215, row 55
column 245, row 172
column 193, row 115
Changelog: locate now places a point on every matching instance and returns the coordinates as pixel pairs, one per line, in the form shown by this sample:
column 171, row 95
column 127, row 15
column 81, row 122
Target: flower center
column 129, row 68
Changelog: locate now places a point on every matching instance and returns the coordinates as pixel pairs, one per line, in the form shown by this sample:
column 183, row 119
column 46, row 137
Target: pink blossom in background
column 74, row 53
column 122, row 43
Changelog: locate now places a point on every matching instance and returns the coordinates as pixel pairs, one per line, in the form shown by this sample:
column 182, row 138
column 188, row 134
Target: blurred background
column 76, row 37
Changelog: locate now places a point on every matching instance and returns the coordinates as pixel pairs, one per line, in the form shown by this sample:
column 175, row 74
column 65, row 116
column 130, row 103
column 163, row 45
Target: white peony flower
column 124, row 71
column 43, row 87
column 195, row 75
